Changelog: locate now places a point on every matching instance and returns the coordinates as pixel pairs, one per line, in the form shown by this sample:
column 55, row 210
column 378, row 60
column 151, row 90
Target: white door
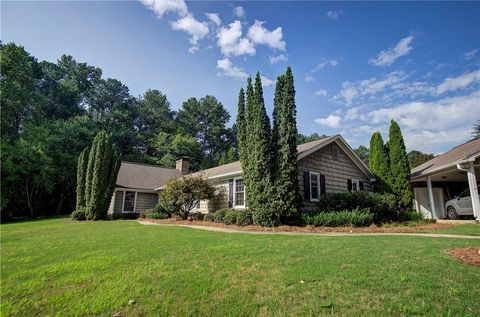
column 422, row 202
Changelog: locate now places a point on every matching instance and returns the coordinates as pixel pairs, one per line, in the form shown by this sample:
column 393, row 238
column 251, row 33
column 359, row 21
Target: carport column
column 430, row 197
column 472, row 184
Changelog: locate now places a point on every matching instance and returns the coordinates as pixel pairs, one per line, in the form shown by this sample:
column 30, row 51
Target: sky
column 357, row 65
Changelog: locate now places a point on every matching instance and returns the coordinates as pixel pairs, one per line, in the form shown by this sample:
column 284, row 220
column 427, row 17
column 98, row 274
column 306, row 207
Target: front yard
column 58, row 267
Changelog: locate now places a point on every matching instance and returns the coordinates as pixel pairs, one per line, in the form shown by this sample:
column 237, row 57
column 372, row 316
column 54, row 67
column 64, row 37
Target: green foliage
column 244, row 218
column 124, row 216
column 227, row 157
column 309, row 138
column 383, row 206
column 379, row 163
column 399, row 167
column 417, row 158
column 230, row 217
column 155, row 214
column 209, row 217
column 412, row 215
column 180, row 196
column 343, row 218
column 78, row 215
column 81, row 178
column 476, row 130
column 102, row 169
column 362, row 151
column 197, row 216
column 241, row 125
column 220, row 214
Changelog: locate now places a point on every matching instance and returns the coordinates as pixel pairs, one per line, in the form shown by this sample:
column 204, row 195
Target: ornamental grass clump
column 344, row 218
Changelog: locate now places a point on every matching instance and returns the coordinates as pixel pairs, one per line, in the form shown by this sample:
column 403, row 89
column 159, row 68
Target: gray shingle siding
column 336, row 170
column 145, row 201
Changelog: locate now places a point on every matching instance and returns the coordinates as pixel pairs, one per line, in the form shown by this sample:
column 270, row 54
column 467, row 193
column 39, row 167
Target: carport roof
column 466, row 152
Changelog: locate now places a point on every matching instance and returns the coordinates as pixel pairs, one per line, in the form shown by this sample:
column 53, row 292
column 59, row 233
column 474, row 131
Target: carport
column 446, row 176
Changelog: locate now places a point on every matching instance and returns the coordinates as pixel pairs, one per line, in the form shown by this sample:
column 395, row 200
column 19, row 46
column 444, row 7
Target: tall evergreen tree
column 246, row 149
column 379, row 163
column 286, row 184
column 241, row 124
column 399, row 166
column 81, row 175
column 277, row 106
column 260, row 161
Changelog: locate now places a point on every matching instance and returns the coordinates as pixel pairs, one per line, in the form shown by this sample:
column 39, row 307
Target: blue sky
column 356, row 64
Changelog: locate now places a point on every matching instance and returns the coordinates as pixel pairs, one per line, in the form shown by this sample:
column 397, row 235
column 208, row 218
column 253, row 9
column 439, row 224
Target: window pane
column 129, row 201
column 239, row 192
column 314, row 186
column 239, row 199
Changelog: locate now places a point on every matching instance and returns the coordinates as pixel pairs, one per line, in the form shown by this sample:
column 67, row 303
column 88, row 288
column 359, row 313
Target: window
column 355, row 185
column 239, row 192
column 465, row 193
column 129, row 202
column 314, row 186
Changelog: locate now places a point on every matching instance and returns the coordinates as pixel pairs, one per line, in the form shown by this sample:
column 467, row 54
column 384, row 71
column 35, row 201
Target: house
column 325, row 165
column 445, row 177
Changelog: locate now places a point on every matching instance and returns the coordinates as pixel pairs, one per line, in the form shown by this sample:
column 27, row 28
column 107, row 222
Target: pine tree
column 379, row 163
column 399, row 166
column 260, row 161
column 286, row 183
column 241, row 124
column 81, row 178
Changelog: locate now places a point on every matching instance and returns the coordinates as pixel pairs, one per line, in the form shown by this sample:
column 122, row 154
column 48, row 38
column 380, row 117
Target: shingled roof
column 459, row 154
column 303, row 150
column 144, row 176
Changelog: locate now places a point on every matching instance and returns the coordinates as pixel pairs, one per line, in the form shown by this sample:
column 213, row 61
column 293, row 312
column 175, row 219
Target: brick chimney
column 183, row 165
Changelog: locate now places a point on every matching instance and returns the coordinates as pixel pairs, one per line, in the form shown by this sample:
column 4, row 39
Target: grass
column 56, row 267
column 467, row 229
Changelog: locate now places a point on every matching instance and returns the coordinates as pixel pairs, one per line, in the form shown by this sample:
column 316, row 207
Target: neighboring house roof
column 463, row 153
column 304, row 149
column 144, row 176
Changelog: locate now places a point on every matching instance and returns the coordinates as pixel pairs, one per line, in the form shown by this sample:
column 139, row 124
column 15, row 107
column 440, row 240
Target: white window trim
column 134, row 202
column 235, row 194
column 356, row 181
column 310, row 173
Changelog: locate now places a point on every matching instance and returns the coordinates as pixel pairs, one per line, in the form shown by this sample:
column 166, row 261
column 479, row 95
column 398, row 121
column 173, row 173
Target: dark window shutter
column 349, row 185
column 322, row 184
column 361, row 185
column 306, row 185
column 230, row 193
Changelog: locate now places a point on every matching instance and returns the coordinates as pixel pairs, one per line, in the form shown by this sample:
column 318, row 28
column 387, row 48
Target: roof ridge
column 149, row 165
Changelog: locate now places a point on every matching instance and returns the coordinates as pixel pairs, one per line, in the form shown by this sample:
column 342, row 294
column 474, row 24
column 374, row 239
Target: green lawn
column 56, row 267
column 469, row 229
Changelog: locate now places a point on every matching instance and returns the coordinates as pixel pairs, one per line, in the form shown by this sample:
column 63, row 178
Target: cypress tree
column 399, row 166
column 277, row 106
column 260, row 161
column 89, row 174
column 241, row 124
column 246, row 148
column 286, row 183
column 379, row 163
column 81, row 175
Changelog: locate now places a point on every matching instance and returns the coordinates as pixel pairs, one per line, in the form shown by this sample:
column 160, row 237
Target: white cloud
column 197, row 30
column 275, row 59
column 231, row 42
column 215, row 18
column 309, row 78
column 230, row 70
column 260, row 35
column 332, row 121
column 321, row 93
column 334, row 15
column 329, row 62
column 352, row 113
column 455, row 83
column 160, row 7
column 266, row 82
column 387, row 57
column 239, row 12
column 469, row 55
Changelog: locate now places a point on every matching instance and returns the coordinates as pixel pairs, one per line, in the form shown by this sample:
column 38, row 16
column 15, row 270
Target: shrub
column 220, row 214
column 218, row 200
column 412, row 215
column 78, row 215
column 264, row 216
column 244, row 218
column 197, row 216
column 152, row 214
column 209, row 217
column 230, row 217
column 383, row 206
column 124, row 216
column 344, row 218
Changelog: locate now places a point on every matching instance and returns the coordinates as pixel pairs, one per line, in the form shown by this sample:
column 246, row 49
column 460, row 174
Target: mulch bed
column 371, row 229
column 468, row 255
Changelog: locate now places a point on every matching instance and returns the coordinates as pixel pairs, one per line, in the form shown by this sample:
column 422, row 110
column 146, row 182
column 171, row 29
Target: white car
column 461, row 205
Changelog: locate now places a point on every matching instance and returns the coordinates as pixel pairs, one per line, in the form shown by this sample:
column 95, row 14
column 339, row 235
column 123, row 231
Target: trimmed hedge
column 244, row 218
column 209, row 217
column 220, row 214
column 78, row 215
column 230, row 217
column 152, row 214
column 383, row 206
column 344, row 218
